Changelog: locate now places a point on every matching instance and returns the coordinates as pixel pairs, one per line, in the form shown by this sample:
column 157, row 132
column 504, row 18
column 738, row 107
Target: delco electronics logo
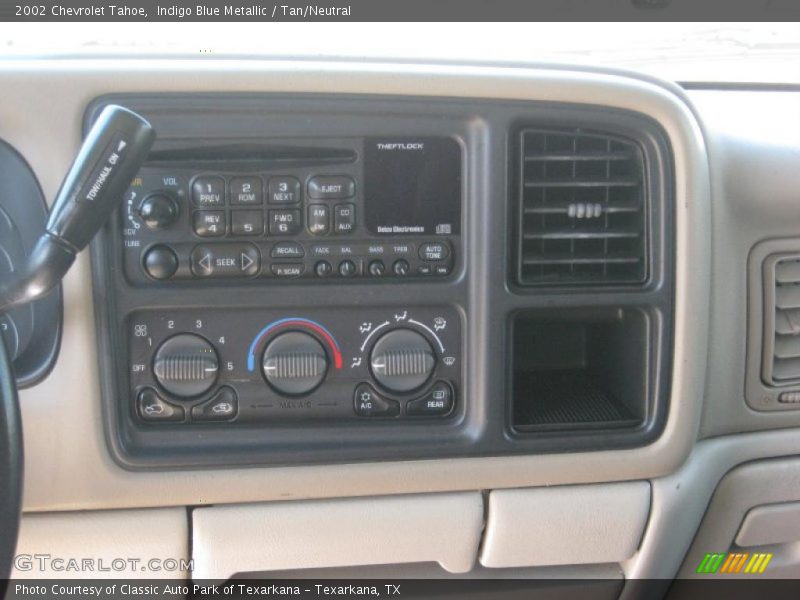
column 734, row 563
column 401, row 146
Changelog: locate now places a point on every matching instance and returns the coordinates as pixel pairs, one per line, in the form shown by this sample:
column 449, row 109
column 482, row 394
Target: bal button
column 347, row 268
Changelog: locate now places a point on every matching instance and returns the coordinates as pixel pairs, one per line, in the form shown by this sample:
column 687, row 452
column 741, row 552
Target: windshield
column 686, row 52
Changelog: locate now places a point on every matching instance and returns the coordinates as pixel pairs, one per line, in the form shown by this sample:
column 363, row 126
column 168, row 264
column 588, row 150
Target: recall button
column 225, row 260
column 434, row 251
column 287, row 250
column 331, row 187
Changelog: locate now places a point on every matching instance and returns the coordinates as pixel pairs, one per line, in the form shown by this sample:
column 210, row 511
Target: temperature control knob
column 158, row 211
column 294, row 363
column 402, row 360
column 186, row 365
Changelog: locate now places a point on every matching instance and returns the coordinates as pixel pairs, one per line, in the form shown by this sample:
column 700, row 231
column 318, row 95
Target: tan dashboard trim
column 68, row 466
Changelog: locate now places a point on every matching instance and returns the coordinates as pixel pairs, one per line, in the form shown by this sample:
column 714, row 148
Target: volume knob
column 294, row 363
column 402, row 360
column 186, row 365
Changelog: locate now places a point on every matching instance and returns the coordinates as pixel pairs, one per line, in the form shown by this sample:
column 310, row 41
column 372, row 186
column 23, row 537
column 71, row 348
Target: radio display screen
column 412, row 186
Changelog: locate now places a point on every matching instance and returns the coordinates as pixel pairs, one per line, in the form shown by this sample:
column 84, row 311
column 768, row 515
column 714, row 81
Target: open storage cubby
column 580, row 369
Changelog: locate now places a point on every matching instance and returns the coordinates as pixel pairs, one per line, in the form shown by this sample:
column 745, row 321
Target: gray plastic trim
column 64, row 412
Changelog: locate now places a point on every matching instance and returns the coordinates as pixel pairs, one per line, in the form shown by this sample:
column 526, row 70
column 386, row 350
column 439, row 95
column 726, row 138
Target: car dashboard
column 413, row 319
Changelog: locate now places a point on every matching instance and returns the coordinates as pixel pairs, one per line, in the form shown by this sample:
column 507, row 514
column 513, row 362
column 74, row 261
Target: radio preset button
column 331, row 187
column 434, row 251
column 284, row 190
column 323, row 268
column 209, row 223
column 347, row 268
column 246, row 190
column 225, row 260
column 247, row 222
column 287, row 250
column 208, row 192
column 160, row 262
column 318, row 219
column 284, row 222
column 368, row 403
column 344, row 218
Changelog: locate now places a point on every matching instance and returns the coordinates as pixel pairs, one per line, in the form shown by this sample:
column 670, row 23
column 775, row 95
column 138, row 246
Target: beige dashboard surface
column 68, row 466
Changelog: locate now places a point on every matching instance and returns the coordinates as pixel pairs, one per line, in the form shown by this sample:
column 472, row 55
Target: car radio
column 372, row 208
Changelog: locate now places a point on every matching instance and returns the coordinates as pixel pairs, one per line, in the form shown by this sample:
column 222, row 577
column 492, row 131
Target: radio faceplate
column 346, row 209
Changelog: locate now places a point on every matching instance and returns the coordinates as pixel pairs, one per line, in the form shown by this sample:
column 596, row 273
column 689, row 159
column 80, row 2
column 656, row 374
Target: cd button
column 344, row 218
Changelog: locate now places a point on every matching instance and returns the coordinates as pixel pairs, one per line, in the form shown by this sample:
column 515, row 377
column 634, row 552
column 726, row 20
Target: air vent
column 782, row 331
column 583, row 209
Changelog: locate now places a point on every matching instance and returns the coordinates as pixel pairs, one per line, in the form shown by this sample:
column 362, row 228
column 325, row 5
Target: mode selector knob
column 186, row 365
column 402, row 360
column 294, row 363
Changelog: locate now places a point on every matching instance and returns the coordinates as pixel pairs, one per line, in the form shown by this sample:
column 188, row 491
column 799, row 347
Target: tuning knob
column 294, row 363
column 402, row 360
column 158, row 211
column 186, row 365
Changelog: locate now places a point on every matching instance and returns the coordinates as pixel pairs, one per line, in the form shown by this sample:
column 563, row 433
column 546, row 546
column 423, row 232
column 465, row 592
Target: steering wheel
column 10, row 462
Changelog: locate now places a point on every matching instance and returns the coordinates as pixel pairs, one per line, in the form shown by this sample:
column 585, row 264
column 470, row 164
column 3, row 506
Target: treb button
column 225, row 260
column 368, row 403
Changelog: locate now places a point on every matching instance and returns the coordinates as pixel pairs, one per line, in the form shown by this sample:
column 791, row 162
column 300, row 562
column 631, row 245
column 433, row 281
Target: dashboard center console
column 290, row 281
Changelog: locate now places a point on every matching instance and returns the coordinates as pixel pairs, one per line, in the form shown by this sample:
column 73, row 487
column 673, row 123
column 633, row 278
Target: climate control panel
column 218, row 366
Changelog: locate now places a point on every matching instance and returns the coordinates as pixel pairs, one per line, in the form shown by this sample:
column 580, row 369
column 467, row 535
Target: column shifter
column 110, row 156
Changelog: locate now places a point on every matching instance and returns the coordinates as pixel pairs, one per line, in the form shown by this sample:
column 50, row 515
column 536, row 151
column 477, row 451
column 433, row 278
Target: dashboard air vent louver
column 582, row 208
column 782, row 333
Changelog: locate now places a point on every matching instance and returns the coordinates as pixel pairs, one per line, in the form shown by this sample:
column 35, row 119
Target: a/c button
column 368, row 403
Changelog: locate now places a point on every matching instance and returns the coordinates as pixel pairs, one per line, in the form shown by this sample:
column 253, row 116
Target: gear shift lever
column 110, row 156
